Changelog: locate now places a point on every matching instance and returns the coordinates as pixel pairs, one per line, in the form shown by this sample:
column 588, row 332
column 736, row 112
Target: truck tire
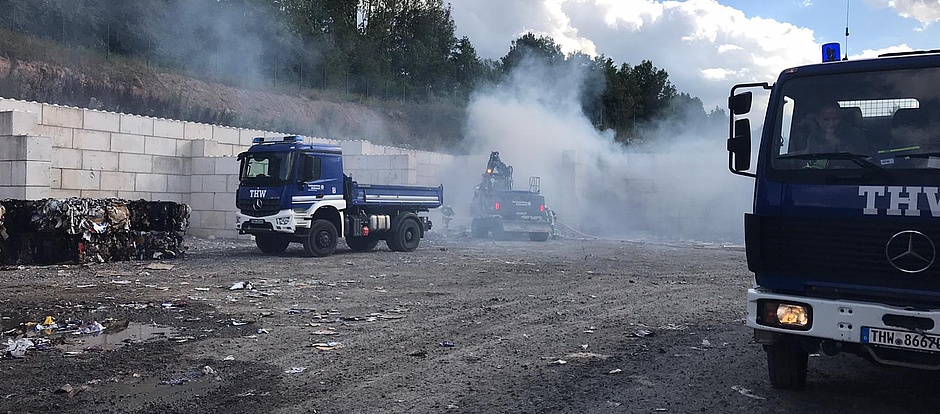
column 498, row 232
column 786, row 364
column 538, row 237
column 362, row 244
column 271, row 243
column 406, row 237
column 478, row 229
column 321, row 241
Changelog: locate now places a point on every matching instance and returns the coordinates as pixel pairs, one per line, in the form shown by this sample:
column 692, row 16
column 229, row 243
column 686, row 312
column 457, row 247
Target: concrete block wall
column 212, row 196
column 59, row 151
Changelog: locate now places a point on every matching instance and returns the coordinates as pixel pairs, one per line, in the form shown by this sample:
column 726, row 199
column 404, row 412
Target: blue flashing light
column 831, row 52
column 271, row 140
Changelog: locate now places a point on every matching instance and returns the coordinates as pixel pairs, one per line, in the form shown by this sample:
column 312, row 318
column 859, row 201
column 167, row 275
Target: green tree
column 541, row 48
column 467, row 66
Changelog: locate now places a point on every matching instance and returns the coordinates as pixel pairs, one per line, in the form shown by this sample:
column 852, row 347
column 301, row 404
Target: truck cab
column 842, row 237
column 290, row 191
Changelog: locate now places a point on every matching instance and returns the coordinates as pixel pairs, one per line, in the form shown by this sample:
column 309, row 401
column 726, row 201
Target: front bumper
column 281, row 222
column 837, row 320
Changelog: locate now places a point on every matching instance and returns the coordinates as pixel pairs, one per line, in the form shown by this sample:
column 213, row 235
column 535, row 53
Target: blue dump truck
column 289, row 192
column 842, row 237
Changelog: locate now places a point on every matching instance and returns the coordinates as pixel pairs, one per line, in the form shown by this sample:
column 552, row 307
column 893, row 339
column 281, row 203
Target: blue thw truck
column 842, row 237
column 292, row 192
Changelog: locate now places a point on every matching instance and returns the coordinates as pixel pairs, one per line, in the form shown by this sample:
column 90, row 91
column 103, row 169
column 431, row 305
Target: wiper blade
column 860, row 160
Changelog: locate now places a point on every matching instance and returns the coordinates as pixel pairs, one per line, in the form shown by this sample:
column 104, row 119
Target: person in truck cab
column 829, row 130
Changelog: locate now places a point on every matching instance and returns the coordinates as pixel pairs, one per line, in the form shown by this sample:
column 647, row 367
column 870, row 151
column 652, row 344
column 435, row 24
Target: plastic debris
column 615, row 371
column 92, row 328
column 17, row 349
column 70, row 390
column 642, row 333
column 295, row 370
column 326, row 346
column 447, row 344
column 242, row 286
column 174, row 304
column 746, row 392
column 558, row 362
column 325, row 332
column 208, row 371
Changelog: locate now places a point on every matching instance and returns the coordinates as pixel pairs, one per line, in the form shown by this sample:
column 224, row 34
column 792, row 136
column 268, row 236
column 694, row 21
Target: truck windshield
column 265, row 168
column 875, row 121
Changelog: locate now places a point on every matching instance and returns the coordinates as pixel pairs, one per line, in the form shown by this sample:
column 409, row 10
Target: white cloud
column 873, row 53
column 924, row 11
column 717, row 73
column 688, row 39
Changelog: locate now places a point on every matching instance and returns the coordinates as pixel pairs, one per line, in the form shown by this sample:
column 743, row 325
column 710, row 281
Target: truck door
column 320, row 176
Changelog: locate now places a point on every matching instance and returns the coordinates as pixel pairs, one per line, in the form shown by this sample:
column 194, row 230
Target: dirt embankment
column 261, row 105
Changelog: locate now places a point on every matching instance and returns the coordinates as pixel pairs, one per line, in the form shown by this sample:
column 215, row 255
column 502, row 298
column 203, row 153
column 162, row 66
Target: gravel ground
column 459, row 325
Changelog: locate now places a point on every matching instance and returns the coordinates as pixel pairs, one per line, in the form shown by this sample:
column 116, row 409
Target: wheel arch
column 333, row 215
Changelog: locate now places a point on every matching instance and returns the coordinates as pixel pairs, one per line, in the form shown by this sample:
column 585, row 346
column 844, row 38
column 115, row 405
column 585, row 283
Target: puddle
column 112, row 337
column 114, row 334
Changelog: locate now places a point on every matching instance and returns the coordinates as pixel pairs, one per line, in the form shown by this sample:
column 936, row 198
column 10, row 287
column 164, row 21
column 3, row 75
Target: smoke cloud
column 676, row 189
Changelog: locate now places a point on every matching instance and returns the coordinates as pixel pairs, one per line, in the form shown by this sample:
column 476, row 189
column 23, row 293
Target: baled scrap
column 79, row 230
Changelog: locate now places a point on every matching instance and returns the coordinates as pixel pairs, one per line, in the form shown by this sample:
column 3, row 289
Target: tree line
column 391, row 49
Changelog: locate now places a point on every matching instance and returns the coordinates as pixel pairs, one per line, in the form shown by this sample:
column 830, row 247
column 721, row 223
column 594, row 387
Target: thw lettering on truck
column 902, row 200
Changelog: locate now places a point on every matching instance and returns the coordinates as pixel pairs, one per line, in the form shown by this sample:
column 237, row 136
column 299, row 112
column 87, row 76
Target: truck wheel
column 786, row 364
column 362, row 244
column 538, row 237
column 321, row 241
column 271, row 243
column 406, row 237
column 498, row 232
column 477, row 229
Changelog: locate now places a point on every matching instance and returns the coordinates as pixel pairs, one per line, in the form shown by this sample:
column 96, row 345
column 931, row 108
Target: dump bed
column 395, row 196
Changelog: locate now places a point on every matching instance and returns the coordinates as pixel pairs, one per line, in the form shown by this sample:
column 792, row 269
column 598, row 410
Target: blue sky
column 705, row 45
column 872, row 24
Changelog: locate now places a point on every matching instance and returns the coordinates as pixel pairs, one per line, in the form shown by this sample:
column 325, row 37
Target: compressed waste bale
column 81, row 230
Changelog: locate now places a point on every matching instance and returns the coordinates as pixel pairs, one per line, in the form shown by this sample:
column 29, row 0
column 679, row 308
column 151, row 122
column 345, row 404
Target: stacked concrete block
column 213, row 183
column 25, row 160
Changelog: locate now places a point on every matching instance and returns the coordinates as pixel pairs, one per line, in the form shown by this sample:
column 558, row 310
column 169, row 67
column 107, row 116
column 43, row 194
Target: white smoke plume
column 678, row 189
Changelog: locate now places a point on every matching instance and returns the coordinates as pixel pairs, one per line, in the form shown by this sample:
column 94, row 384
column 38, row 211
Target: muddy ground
column 459, row 325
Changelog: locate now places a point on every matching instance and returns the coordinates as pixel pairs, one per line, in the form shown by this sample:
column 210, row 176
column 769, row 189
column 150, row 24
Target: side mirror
column 739, row 145
column 740, row 104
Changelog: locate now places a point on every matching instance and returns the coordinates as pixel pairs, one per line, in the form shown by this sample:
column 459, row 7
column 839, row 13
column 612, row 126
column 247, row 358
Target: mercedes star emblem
column 257, row 205
column 910, row 251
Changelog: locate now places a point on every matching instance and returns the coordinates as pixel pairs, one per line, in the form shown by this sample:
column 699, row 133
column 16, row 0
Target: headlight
column 786, row 315
column 283, row 221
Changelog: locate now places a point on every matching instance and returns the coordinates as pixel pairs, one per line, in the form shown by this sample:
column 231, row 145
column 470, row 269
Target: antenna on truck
column 846, row 30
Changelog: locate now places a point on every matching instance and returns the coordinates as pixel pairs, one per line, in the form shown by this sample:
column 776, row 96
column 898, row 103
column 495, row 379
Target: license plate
column 900, row 339
column 257, row 221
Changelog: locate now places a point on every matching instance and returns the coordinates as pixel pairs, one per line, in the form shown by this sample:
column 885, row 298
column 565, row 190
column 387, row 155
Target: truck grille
column 249, row 208
column 843, row 257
